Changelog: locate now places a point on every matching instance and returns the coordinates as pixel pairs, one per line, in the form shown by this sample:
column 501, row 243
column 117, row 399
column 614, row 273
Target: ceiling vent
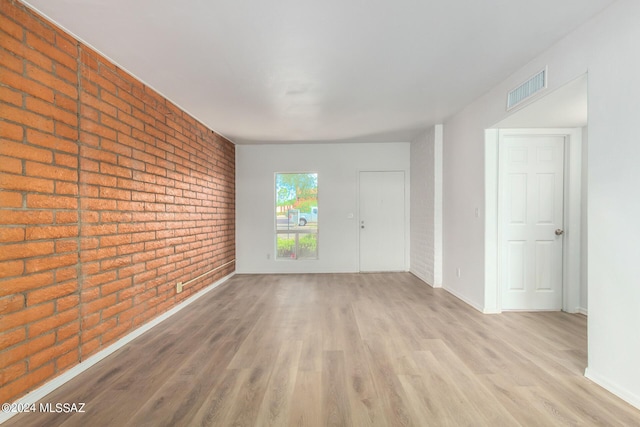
column 527, row 89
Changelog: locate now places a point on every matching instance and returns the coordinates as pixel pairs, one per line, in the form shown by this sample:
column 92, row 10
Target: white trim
column 622, row 393
column 38, row 394
column 492, row 296
column 572, row 217
column 465, row 300
column 582, row 310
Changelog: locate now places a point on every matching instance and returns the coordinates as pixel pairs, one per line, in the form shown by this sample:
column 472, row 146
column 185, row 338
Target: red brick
column 10, row 199
column 115, row 309
column 27, row 382
column 67, row 188
column 23, row 183
column 68, row 245
column 13, row 372
column 109, row 169
column 25, row 250
column 67, row 74
column 117, row 332
column 115, row 147
column 66, row 103
column 97, row 179
column 116, row 217
column 11, row 268
column 14, row 30
column 99, row 279
column 66, row 331
column 11, row 304
column 27, row 19
column 10, row 131
column 10, row 165
column 50, row 110
column 101, row 328
column 53, row 172
column 117, row 102
column 115, row 240
column 119, row 80
column 90, row 347
column 66, row 160
column 25, row 350
column 116, row 286
column 11, row 234
column 49, row 263
column 22, row 151
column 53, row 322
column 10, row 96
column 131, row 313
column 27, row 118
column 8, row 339
column 130, row 249
column 92, row 101
column 66, row 217
column 58, row 56
column 100, row 155
column 25, row 317
column 42, row 201
column 96, row 254
column 67, row 302
column 90, row 127
column 23, row 84
column 51, row 141
column 113, row 193
column 98, row 230
column 66, row 131
column 52, row 353
column 67, row 360
column 67, row 43
column 52, row 232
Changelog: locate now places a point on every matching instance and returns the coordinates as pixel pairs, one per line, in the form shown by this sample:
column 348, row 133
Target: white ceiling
column 332, row 70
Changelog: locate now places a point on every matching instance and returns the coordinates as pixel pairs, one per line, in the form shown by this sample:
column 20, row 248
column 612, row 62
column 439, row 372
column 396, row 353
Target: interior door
column 382, row 221
column 531, row 201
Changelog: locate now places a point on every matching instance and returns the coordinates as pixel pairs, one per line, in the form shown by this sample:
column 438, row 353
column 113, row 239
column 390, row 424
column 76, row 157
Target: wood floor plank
column 377, row 349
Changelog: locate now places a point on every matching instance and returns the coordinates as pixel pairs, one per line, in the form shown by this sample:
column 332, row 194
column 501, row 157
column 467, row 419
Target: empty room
column 341, row 213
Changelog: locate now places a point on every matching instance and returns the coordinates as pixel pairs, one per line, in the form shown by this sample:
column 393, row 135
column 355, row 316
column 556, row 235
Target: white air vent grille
column 527, row 89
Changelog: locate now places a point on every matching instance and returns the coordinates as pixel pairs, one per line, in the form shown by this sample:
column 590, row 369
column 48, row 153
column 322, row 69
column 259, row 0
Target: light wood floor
column 348, row 349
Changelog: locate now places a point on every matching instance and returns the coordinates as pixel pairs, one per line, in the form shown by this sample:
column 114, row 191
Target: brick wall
column 422, row 208
column 109, row 195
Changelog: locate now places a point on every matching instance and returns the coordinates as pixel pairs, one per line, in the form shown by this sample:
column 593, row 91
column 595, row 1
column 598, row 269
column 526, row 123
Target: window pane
column 286, row 246
column 296, row 215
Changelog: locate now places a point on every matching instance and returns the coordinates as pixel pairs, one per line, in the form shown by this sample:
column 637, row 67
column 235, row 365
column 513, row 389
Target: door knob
column 559, row 232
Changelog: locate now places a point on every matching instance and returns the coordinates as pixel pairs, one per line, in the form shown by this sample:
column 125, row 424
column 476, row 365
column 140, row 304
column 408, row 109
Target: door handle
column 559, row 232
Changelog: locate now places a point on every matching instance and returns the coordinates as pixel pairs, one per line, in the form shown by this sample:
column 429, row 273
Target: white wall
column 426, row 206
column 607, row 48
column 337, row 166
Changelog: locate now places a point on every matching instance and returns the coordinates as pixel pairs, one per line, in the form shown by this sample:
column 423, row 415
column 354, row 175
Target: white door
column 531, row 200
column 382, row 239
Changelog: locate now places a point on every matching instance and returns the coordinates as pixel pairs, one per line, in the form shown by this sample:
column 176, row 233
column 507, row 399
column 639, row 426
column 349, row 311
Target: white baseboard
column 38, row 394
column 582, row 311
column 621, row 392
column 465, row 300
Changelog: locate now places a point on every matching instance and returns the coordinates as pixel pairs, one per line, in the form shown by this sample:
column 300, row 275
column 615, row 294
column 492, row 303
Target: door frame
column 406, row 212
column 572, row 256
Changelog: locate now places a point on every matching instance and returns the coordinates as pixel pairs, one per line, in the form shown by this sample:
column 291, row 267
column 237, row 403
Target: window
column 296, row 216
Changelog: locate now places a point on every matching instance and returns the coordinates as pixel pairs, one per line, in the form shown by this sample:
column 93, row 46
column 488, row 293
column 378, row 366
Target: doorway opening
column 566, row 106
